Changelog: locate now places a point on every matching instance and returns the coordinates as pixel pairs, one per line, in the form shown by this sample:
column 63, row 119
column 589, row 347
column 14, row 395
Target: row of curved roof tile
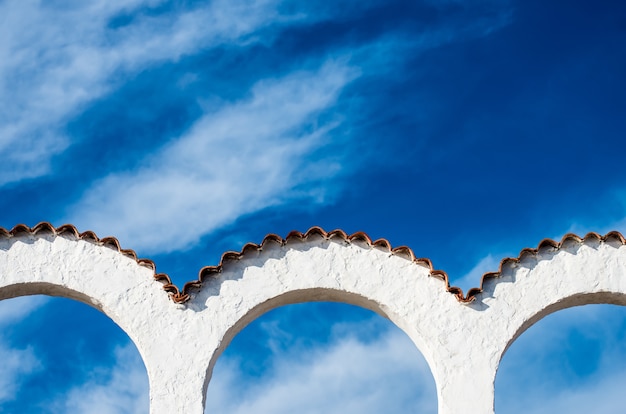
column 183, row 295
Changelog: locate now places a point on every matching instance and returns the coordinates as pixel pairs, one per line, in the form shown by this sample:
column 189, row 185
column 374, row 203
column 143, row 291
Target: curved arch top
column 556, row 275
column 183, row 295
column 462, row 337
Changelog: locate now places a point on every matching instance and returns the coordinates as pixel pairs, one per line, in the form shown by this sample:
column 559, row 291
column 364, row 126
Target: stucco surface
column 463, row 343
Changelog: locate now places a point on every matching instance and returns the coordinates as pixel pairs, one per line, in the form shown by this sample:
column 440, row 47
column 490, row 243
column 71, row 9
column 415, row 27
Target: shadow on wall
column 60, row 355
column 572, row 361
column 321, row 357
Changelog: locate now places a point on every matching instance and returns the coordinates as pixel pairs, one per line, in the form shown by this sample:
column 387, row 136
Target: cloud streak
column 122, row 388
column 268, row 149
column 15, row 309
column 347, row 376
column 569, row 362
column 55, row 60
column 17, row 364
column 247, row 156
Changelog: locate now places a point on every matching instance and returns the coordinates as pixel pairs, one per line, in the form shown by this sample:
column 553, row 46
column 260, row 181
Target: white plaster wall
column 179, row 343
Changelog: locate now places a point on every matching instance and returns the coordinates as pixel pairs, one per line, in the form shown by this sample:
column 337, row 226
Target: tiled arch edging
column 181, row 333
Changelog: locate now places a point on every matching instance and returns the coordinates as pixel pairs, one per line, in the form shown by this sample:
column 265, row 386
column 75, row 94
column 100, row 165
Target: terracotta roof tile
column 543, row 244
column 111, row 242
column 183, row 295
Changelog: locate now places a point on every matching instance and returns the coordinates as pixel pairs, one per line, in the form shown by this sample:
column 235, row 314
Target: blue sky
column 465, row 130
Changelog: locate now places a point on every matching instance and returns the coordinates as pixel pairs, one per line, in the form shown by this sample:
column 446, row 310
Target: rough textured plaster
column 179, row 343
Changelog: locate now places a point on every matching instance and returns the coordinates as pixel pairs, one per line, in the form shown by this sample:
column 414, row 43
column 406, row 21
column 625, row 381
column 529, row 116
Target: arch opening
column 572, row 359
column 62, row 355
column 321, row 357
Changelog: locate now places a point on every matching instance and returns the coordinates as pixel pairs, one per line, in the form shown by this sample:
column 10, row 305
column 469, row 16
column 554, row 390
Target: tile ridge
column 45, row 227
column 183, row 295
column 533, row 252
column 402, row 251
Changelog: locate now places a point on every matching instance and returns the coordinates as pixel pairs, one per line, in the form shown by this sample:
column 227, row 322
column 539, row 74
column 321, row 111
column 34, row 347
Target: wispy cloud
column 569, row 362
column 472, row 278
column 261, row 151
column 246, row 156
column 582, row 229
column 56, row 59
column 119, row 388
column 122, row 388
column 16, row 309
column 17, row 363
column 348, row 376
column 600, row 395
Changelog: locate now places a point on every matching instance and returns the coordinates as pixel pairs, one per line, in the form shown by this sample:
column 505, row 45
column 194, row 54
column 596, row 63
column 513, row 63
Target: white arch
column 322, row 269
column 97, row 273
column 556, row 276
column 541, row 281
column 462, row 341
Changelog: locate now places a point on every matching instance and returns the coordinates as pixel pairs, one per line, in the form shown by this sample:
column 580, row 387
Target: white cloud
column 17, row 364
column 15, row 309
column 122, row 388
column 582, row 229
column 603, row 223
column 246, row 156
column 348, row 376
column 55, row 59
column 472, row 278
column 539, row 373
column 601, row 395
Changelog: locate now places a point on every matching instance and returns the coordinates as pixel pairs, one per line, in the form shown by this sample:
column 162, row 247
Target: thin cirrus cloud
column 120, row 388
column 473, row 278
column 244, row 157
column 117, row 388
column 599, row 394
column 261, row 151
column 17, row 363
column 569, row 362
column 54, row 60
column 388, row 373
column 346, row 376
